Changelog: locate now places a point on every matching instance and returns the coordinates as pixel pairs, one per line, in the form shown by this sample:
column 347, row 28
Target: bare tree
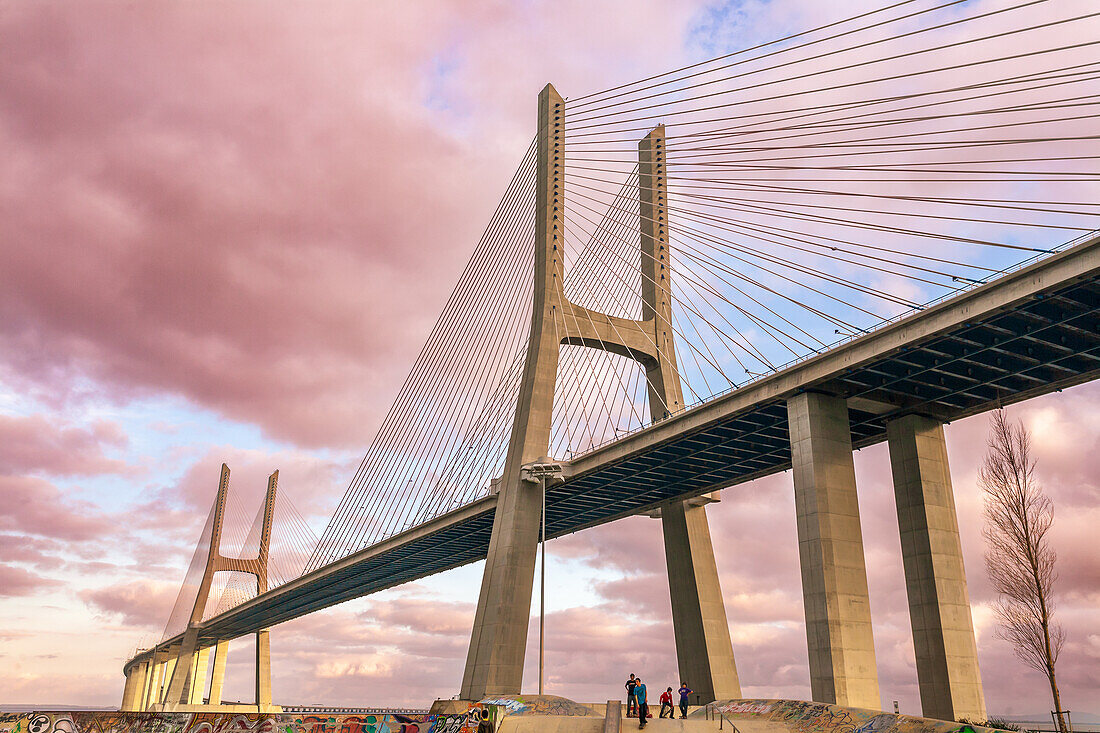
column 1019, row 558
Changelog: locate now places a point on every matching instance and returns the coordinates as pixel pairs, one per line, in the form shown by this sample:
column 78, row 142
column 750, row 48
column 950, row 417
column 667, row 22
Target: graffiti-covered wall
column 480, row 717
column 109, row 722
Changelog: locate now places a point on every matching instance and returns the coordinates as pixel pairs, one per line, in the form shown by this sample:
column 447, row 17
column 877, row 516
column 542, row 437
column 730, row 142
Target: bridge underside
column 1041, row 346
column 962, row 359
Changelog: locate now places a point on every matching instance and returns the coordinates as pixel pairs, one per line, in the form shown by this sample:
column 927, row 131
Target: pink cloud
column 37, row 444
column 139, row 603
column 34, row 551
column 37, row 507
column 251, row 243
column 15, row 581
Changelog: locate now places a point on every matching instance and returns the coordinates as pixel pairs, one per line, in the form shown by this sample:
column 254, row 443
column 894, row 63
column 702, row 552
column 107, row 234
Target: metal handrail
column 711, row 709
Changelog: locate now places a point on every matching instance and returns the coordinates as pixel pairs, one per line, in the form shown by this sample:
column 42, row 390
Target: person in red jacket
column 666, row 704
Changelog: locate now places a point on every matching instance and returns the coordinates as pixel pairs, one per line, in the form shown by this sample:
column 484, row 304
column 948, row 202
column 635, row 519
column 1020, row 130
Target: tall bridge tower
column 175, row 677
column 704, row 651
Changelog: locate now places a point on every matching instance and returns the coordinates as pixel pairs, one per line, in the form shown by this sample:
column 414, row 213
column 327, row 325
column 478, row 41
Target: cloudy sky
column 227, row 229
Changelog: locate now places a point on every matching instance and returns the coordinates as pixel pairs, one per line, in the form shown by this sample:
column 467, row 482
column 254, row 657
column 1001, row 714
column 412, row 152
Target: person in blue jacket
column 642, row 701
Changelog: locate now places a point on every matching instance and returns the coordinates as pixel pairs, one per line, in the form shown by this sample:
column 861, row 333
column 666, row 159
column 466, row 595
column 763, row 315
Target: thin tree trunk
column 1050, row 670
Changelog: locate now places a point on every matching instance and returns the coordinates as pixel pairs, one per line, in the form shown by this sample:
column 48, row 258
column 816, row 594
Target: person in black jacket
column 631, row 703
column 485, row 724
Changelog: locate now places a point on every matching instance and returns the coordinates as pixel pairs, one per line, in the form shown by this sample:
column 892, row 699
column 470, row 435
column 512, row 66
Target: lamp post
column 542, row 473
column 542, row 588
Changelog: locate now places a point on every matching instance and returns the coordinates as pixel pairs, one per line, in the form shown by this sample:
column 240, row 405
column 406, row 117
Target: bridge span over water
column 657, row 262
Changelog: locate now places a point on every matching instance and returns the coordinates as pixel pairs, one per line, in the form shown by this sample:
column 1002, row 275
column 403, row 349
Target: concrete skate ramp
column 796, row 716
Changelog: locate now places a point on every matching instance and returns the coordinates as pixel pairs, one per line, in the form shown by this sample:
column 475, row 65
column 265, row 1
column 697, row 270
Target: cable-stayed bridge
column 853, row 234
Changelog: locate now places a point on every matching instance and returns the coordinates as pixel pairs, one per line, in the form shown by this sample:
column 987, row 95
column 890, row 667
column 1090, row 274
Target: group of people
column 637, row 701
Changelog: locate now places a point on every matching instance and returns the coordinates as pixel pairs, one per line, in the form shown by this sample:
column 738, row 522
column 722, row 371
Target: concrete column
column 163, row 661
column 142, row 686
column 169, row 670
column 704, row 651
column 133, row 696
column 179, row 679
column 830, row 548
column 263, row 670
column 158, row 689
column 935, row 580
column 494, row 664
column 662, row 375
column 130, row 689
column 148, row 698
column 217, row 675
column 199, row 668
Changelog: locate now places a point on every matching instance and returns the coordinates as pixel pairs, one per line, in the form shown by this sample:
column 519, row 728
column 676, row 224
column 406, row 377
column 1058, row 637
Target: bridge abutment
column 935, row 579
column 830, row 548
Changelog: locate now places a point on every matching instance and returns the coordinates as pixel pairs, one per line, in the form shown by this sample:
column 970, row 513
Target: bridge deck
column 1030, row 332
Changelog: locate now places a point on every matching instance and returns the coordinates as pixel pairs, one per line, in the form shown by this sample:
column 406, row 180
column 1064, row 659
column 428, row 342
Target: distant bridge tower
column 175, row 678
column 494, row 664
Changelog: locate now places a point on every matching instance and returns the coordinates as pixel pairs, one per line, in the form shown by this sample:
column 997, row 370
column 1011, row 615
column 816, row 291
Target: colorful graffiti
column 537, row 705
column 447, row 723
column 110, row 722
column 484, row 716
column 815, row 717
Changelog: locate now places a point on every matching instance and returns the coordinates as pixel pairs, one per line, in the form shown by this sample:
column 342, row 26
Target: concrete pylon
column 830, row 548
column 935, row 580
column 494, row 664
column 217, row 674
column 151, row 670
column 199, row 667
column 704, row 651
column 181, row 681
column 135, row 686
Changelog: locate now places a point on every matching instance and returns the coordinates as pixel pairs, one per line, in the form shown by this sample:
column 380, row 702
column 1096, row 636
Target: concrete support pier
column 135, row 688
column 830, row 548
column 263, row 671
column 199, row 668
column 704, row 652
column 217, row 674
column 935, row 580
